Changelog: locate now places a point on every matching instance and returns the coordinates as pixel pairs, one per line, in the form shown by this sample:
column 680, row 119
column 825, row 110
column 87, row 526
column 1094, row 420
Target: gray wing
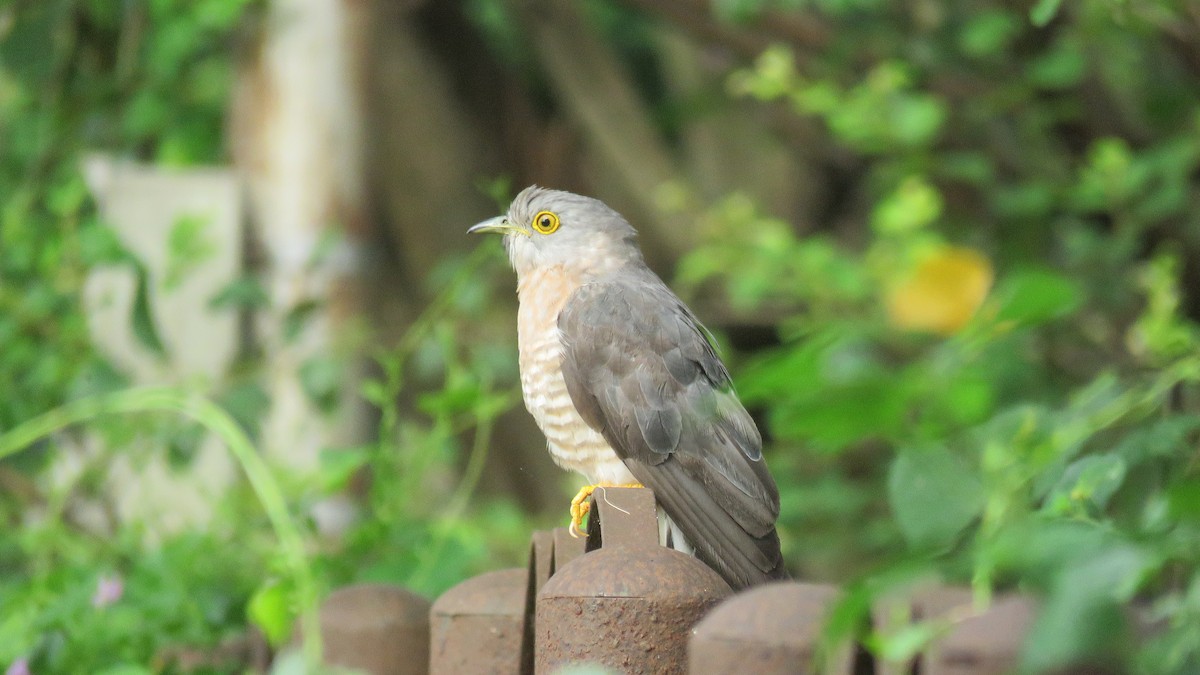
column 641, row 371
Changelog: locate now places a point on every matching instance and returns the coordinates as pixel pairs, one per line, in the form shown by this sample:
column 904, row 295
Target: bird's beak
column 499, row 225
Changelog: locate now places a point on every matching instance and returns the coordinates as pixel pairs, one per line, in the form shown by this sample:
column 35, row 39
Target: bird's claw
column 580, row 506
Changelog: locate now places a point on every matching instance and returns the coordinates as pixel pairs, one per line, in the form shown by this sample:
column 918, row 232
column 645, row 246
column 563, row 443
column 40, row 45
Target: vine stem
column 459, row 500
column 222, row 424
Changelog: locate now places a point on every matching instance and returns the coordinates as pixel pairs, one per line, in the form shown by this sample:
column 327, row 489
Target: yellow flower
column 943, row 292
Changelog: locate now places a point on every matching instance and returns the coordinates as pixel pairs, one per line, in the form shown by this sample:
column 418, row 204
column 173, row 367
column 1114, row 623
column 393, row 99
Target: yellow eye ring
column 545, row 222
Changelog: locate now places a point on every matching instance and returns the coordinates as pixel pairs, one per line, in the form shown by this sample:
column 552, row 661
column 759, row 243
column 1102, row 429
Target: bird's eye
column 545, row 222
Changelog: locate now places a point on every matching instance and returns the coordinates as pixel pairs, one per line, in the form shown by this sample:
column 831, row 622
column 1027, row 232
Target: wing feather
column 641, row 371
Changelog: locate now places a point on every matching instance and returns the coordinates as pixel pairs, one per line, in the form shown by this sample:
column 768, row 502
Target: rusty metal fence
column 621, row 602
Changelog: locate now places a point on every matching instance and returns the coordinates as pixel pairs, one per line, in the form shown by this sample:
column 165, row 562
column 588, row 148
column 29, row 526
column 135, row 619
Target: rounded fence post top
column 377, row 628
column 648, row 572
column 999, row 631
column 494, row 593
column 355, row 604
column 785, row 611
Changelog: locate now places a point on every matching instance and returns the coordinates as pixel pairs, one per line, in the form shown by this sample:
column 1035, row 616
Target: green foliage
column 75, row 647
column 1044, row 443
column 151, row 82
column 986, row 372
column 143, row 80
column 934, row 496
column 190, row 593
column 411, row 533
column 180, row 589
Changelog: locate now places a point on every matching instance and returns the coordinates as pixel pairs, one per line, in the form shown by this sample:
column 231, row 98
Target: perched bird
column 625, row 384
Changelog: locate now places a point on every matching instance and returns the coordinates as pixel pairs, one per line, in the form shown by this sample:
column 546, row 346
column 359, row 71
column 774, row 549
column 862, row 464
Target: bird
column 627, row 386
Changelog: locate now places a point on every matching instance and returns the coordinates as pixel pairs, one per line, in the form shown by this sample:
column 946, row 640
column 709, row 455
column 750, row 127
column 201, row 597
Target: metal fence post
column 629, row 605
column 377, row 628
column 773, row 629
column 988, row 643
column 566, row 547
column 477, row 626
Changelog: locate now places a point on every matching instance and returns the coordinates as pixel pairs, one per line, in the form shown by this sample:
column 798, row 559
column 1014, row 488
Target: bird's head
column 550, row 227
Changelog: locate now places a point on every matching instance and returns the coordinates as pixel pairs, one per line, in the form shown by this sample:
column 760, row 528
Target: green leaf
column 1024, row 200
column 188, row 247
column 269, row 609
column 1061, row 68
column 1083, row 620
column 1088, row 482
column 458, row 396
column 375, row 392
column 1162, row 332
column 972, row 167
column 182, row 443
column 737, row 11
column 934, row 495
column 23, row 51
column 916, row 119
column 865, row 602
column 1037, row 296
column 773, row 75
column 99, row 245
column 905, row 643
column 829, row 391
column 988, row 33
column 338, row 465
column 1162, row 438
column 1183, row 501
column 1044, row 12
column 142, row 315
column 912, row 205
column 968, row 397
column 67, row 197
column 298, row 318
column 241, row 293
column 247, row 402
column 321, row 377
column 839, row 415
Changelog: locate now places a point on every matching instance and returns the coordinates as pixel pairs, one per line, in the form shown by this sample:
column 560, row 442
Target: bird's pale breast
column 573, row 444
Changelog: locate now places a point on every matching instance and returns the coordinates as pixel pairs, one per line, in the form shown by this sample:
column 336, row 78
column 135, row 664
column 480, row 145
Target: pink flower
column 18, row 667
column 108, row 590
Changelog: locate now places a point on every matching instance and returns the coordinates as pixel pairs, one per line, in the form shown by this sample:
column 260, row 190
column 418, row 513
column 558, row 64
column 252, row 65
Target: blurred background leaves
column 951, row 252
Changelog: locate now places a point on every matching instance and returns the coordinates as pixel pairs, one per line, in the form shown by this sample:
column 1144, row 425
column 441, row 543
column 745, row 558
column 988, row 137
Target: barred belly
column 573, row 444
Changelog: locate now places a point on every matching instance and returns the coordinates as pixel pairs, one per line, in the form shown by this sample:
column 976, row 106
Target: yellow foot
column 580, row 506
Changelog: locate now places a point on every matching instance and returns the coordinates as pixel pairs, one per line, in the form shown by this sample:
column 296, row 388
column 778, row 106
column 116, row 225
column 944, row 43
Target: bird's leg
column 580, row 506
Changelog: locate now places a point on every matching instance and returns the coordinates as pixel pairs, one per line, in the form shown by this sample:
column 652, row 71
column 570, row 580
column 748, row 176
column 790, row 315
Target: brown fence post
column 377, row 628
column 541, row 567
column 566, row 547
column 988, row 643
column 629, row 605
column 541, row 560
column 477, row 626
column 772, row 629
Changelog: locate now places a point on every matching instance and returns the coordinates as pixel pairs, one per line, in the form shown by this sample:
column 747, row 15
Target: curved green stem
column 460, row 500
column 225, row 427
